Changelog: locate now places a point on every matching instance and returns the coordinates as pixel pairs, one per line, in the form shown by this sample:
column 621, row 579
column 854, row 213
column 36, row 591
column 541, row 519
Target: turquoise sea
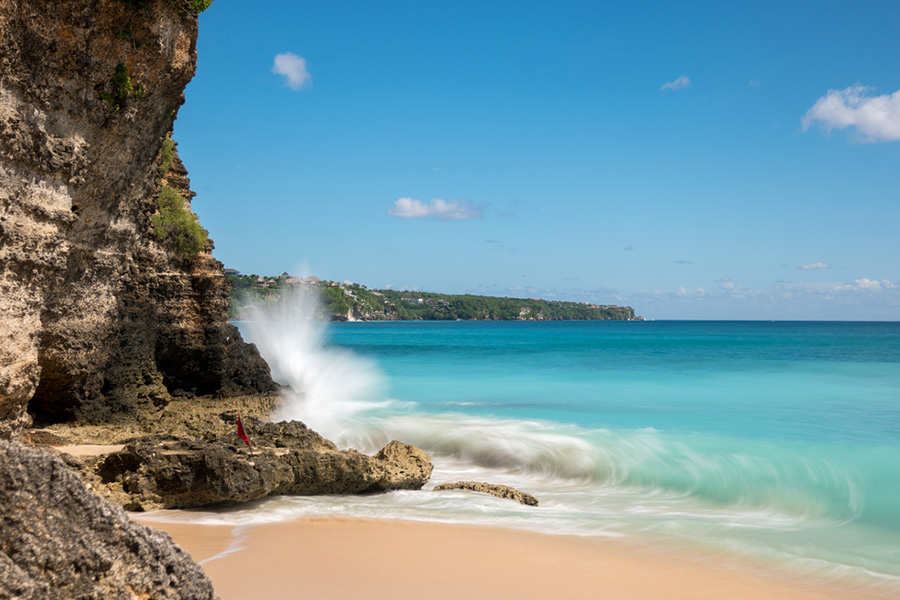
column 776, row 443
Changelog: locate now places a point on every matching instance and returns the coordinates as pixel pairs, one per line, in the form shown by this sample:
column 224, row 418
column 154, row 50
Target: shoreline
column 394, row 559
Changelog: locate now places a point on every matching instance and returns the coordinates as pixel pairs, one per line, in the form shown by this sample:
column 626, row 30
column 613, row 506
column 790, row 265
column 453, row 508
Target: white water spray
column 329, row 387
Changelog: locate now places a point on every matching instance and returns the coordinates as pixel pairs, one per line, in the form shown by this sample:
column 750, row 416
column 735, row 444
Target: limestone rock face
column 156, row 471
column 58, row 541
column 97, row 316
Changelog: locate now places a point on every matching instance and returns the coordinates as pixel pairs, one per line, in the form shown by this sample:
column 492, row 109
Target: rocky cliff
column 101, row 314
column 104, row 310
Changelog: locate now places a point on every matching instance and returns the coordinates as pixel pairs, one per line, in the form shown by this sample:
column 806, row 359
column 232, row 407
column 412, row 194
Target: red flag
column 241, row 433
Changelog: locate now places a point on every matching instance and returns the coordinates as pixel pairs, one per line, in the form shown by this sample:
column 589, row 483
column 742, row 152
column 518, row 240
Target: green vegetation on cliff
column 121, row 89
column 352, row 301
column 166, row 156
column 201, row 5
column 176, row 223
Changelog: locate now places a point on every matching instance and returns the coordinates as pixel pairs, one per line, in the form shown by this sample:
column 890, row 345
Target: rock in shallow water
column 501, row 491
column 60, row 541
column 155, row 472
column 406, row 467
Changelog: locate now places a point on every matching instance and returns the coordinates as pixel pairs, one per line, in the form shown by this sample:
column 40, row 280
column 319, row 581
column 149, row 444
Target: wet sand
column 344, row 558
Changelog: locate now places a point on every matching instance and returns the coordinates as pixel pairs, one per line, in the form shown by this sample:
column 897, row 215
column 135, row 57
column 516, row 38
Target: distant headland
column 252, row 294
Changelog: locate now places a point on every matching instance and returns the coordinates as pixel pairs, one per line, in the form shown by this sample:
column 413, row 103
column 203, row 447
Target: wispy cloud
column 682, row 82
column 867, row 284
column 877, row 118
column 441, row 210
column 813, row 266
column 293, row 67
column 691, row 292
column 860, row 299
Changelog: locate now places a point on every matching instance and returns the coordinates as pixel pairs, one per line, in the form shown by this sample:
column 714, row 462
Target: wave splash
column 328, row 386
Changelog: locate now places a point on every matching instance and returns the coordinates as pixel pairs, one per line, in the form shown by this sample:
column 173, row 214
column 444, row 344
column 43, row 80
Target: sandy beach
column 343, row 558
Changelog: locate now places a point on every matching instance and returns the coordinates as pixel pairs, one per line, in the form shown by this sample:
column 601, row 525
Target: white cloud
column 862, row 299
column 877, row 118
column 682, row 82
column 442, row 210
column 867, row 284
column 813, row 266
column 293, row 67
column 691, row 292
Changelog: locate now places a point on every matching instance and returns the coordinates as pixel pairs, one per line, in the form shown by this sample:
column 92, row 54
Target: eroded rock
column 501, row 491
column 59, row 541
column 406, row 467
column 155, row 472
column 182, row 473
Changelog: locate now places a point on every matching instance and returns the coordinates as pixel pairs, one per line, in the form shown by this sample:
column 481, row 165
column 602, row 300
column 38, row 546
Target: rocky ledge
column 156, row 472
column 187, row 454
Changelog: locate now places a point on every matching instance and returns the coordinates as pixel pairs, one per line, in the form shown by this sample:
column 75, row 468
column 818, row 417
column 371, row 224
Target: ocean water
column 774, row 443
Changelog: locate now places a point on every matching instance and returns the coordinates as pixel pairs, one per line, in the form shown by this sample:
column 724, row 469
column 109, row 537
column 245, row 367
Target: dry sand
column 341, row 558
column 90, row 449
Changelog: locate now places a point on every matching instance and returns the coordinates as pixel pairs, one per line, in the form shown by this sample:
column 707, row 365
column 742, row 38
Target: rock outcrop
column 156, row 472
column 188, row 454
column 98, row 317
column 501, row 491
column 58, row 541
column 207, row 418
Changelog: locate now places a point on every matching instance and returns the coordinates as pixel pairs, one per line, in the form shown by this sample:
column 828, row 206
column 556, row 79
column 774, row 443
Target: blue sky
column 692, row 160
